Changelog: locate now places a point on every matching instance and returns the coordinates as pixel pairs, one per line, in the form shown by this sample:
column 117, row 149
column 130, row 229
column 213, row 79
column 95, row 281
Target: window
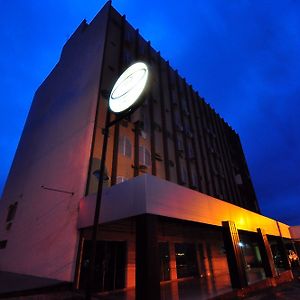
column 238, row 179
column 143, row 50
column 128, row 37
column 111, row 68
column 145, row 120
column 186, row 260
column 190, row 151
column 185, row 107
column 125, row 146
column 178, row 123
column 3, row 244
column 121, row 179
column 144, row 156
column 184, row 177
column 143, row 134
column 164, row 257
column 169, row 135
column 188, row 130
column 113, row 43
column 157, row 126
column 11, row 212
column 127, row 58
column 171, row 163
column 124, row 123
column 194, row 179
column 158, row 156
column 179, row 144
column 116, row 22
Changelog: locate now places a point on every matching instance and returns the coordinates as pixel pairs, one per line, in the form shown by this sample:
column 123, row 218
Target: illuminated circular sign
column 128, row 87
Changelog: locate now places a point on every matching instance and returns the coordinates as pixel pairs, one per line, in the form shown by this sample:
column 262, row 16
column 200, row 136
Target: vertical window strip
column 125, row 147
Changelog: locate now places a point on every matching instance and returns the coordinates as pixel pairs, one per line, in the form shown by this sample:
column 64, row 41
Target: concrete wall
column 54, row 152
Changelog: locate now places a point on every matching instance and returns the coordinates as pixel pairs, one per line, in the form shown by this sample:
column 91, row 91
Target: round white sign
column 128, row 87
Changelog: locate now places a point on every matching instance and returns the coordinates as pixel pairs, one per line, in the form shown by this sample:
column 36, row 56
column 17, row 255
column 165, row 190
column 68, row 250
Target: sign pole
column 91, row 273
column 122, row 101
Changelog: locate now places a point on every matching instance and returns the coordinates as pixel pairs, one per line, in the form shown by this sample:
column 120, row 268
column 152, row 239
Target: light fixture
column 128, row 88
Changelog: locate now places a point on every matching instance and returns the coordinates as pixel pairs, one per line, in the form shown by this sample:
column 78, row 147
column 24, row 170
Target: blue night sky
column 242, row 56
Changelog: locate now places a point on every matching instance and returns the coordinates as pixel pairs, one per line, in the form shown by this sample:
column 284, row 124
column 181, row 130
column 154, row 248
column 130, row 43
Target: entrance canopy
column 152, row 195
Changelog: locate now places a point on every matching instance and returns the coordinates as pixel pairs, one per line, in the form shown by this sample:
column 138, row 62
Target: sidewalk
column 184, row 290
column 19, row 286
column 285, row 291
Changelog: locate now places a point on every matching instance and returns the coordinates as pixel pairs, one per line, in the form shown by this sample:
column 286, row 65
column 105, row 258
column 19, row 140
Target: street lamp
column 125, row 98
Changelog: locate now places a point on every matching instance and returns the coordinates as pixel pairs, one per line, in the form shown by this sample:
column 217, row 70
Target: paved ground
column 182, row 290
column 289, row 291
column 18, row 282
column 286, row 291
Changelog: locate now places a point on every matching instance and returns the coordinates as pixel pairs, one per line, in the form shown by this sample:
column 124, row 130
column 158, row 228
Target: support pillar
column 205, row 259
column 173, row 267
column 236, row 262
column 130, row 270
column 266, row 254
column 147, row 258
column 204, row 266
column 200, row 259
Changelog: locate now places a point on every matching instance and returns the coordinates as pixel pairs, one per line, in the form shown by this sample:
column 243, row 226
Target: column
column 173, row 269
column 234, row 254
column 266, row 254
column 147, row 258
column 204, row 254
column 200, row 260
column 130, row 270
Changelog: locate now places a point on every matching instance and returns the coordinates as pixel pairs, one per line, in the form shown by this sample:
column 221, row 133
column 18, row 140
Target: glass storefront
column 110, row 265
column 279, row 252
column 164, row 256
column 186, row 260
column 252, row 257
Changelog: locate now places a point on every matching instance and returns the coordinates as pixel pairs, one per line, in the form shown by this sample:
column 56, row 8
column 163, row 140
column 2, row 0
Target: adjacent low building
column 178, row 199
column 295, row 234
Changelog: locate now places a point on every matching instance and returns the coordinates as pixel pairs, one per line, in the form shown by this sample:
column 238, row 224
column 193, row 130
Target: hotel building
column 178, row 199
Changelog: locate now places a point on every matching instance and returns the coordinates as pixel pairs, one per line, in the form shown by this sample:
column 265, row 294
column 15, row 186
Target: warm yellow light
column 241, row 222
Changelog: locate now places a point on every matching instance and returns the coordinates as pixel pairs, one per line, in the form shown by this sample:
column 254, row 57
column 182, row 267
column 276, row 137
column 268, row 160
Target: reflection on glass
column 164, row 261
column 252, row 257
column 186, row 261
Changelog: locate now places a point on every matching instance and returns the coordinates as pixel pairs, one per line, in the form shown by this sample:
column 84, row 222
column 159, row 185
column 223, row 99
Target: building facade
column 176, row 135
column 176, row 179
